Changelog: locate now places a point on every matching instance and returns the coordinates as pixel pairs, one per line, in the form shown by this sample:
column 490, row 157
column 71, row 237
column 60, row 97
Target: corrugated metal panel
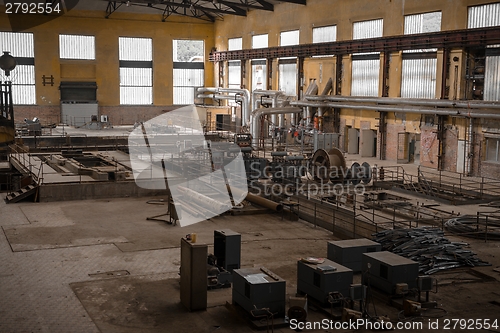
column 19, row 44
column 365, row 77
column 77, row 47
column 136, row 95
column 234, row 73
column 259, row 77
column 484, row 16
column 23, row 84
column 492, row 79
column 234, row 44
column 136, row 76
column 325, row 34
column 135, row 49
column 289, row 38
column 184, row 82
column 367, row 29
column 259, row 41
column 418, row 78
column 288, row 79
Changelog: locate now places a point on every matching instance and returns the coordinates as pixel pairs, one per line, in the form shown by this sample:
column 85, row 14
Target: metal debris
column 429, row 248
column 484, row 226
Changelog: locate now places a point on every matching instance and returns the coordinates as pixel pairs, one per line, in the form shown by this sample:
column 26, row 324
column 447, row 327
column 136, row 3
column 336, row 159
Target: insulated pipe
column 406, row 101
column 274, row 94
column 245, row 96
column 466, row 113
column 257, row 113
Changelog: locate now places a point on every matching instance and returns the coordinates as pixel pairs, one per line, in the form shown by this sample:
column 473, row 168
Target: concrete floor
column 100, row 266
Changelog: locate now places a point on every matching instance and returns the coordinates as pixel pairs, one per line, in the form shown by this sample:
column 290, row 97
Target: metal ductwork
column 245, row 98
column 257, row 113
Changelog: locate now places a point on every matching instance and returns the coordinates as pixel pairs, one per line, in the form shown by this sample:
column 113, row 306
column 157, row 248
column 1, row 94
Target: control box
column 319, row 280
column 349, row 252
column 384, row 270
column 255, row 289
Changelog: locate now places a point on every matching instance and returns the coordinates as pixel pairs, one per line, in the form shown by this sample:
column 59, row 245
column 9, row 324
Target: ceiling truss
column 208, row 10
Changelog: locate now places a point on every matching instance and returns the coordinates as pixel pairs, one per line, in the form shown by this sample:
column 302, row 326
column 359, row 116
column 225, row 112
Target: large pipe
column 273, row 94
column 407, row 101
column 257, row 113
column 245, row 96
column 466, row 113
column 264, row 202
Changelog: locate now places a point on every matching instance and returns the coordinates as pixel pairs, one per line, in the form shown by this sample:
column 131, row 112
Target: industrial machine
column 389, row 272
column 349, row 252
column 259, row 291
column 331, row 166
column 287, row 168
column 226, row 258
column 320, row 281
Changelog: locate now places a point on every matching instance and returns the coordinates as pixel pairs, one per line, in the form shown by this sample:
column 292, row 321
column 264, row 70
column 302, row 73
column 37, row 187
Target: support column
column 300, row 77
column 441, row 136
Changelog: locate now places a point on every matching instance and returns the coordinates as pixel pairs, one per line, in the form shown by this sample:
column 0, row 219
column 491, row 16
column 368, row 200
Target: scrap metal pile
column 429, row 248
column 485, row 227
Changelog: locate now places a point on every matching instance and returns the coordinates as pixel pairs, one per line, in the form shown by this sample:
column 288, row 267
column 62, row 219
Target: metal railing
column 447, row 185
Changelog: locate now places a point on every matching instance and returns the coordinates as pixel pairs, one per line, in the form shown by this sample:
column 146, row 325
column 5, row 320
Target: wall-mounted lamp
column 7, row 63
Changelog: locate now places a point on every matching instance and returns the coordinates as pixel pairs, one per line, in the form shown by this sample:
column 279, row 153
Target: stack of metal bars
column 429, row 248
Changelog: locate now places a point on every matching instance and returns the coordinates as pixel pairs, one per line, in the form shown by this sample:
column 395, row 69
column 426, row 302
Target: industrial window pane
column 234, row 44
column 488, row 16
column 365, row 72
column 136, row 95
column 234, row 67
column 259, row 41
column 484, row 16
column 492, row 149
column 131, row 77
column 136, row 70
column 289, row 38
column 418, row 78
column 288, row 79
column 325, row 34
column 259, row 76
column 186, row 76
column 135, row 49
column 367, row 29
column 234, row 71
column 422, row 23
column 365, row 76
column 77, row 47
column 20, row 45
column 188, row 50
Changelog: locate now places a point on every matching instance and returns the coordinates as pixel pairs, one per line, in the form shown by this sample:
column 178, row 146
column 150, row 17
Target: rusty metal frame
column 444, row 39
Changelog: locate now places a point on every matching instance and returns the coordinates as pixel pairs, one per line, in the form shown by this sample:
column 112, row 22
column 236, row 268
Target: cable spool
column 328, row 166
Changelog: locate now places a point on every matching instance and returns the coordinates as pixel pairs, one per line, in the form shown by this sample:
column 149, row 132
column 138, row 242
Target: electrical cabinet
column 227, row 249
column 319, row 280
column 349, row 252
column 386, row 270
column 193, row 275
column 255, row 289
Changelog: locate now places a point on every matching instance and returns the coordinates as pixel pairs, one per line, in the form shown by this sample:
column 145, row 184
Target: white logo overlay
column 204, row 178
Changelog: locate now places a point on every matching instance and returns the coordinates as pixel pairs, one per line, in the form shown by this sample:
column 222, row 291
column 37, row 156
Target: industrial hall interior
column 249, row 165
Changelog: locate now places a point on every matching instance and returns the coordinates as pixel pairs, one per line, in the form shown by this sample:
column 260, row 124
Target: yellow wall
column 105, row 68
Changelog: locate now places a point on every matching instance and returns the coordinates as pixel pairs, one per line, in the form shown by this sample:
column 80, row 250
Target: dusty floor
column 100, row 266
